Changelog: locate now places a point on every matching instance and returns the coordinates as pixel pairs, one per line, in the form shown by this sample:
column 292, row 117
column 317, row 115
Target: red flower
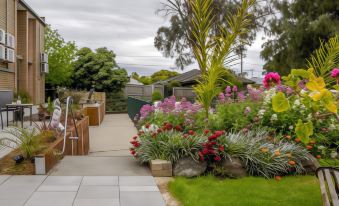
column 221, row 148
column 309, row 147
column 133, row 152
column 178, row 128
column 135, row 137
column 212, row 137
column 185, row 135
column 191, row 132
column 213, row 143
column 217, row 158
column 218, row 133
column 159, row 130
column 201, row 156
column 205, row 151
column 168, row 126
column 147, row 125
column 206, row 131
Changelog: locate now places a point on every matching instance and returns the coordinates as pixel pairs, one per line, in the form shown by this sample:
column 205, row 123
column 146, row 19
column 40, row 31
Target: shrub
column 264, row 157
column 165, row 143
column 156, row 96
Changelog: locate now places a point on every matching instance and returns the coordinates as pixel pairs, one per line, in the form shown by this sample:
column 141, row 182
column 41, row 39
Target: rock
column 311, row 164
column 234, row 167
column 187, row 167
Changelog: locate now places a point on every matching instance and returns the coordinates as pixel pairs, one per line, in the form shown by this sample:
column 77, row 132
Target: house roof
column 186, row 77
column 134, row 82
column 257, row 80
column 194, row 75
column 26, row 6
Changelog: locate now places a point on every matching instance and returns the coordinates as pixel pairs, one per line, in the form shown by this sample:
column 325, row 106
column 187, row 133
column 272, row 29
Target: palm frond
column 325, row 59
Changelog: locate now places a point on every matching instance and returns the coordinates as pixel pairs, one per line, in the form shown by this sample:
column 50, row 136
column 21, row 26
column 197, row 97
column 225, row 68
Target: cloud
column 128, row 27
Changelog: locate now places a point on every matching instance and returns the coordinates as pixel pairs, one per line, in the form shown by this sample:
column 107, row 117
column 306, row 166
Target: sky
column 127, row 27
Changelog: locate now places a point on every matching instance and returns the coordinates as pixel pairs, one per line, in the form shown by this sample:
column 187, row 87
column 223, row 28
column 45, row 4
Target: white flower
column 321, row 147
column 152, row 128
column 261, row 113
column 297, row 102
column 309, row 117
column 274, row 117
column 334, row 154
column 332, row 127
column 291, row 127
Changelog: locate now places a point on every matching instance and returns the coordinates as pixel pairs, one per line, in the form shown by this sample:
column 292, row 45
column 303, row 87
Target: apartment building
column 23, row 64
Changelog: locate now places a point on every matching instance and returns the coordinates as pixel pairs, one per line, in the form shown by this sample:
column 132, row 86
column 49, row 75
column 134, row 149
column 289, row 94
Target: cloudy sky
column 128, row 27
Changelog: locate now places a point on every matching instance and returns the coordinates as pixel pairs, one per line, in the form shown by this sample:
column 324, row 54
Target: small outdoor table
column 21, row 107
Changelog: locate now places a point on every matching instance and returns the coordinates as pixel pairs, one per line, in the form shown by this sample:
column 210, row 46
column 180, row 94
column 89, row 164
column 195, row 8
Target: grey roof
column 186, row 77
column 257, row 80
column 134, row 82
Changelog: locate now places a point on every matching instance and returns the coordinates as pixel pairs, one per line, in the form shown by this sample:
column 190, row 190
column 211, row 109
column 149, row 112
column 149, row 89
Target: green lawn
column 249, row 191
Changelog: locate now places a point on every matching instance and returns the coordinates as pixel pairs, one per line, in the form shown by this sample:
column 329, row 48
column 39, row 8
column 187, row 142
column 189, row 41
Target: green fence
column 134, row 105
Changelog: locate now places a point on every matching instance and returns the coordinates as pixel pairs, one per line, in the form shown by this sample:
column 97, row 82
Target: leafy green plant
column 211, row 52
column 24, row 96
column 167, row 145
column 262, row 157
column 156, row 96
column 304, row 131
column 24, row 139
column 325, row 59
column 50, row 106
column 280, row 103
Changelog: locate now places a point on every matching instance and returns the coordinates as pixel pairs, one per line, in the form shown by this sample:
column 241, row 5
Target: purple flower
column 221, row 98
column 241, row 96
column 289, row 90
column 146, row 110
column 228, row 90
column 235, row 88
column 255, row 94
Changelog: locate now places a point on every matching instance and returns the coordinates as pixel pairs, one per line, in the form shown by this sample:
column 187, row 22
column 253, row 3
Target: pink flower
column 221, row 98
column 271, row 79
column 335, row 73
column 228, row 90
column 235, row 88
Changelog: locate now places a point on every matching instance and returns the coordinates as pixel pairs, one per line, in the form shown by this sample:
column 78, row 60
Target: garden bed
column 50, row 151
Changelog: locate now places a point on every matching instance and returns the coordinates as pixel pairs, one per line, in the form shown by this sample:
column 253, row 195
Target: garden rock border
column 188, row 167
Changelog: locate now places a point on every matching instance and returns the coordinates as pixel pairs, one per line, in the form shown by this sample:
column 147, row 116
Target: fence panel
column 143, row 91
column 134, row 105
column 187, row 92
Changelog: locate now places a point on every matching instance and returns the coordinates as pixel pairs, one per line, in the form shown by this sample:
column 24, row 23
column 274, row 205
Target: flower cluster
column 335, row 73
column 271, row 79
column 146, row 110
column 255, row 94
column 212, row 150
column 135, row 144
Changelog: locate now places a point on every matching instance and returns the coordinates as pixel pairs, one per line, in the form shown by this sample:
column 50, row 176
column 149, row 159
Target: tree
column 297, row 31
column 98, row 69
column 156, row 77
column 173, row 40
column 61, row 55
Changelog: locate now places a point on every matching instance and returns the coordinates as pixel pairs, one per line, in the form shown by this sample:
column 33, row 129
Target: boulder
column 234, row 167
column 187, row 167
column 310, row 164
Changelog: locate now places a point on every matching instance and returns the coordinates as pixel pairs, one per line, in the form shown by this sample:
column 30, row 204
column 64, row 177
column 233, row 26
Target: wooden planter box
column 45, row 162
column 95, row 112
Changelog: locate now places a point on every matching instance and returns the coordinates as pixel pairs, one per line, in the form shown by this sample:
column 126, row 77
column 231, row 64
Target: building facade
column 23, row 64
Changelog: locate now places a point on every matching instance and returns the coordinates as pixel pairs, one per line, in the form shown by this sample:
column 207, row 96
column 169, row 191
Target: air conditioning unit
column 10, row 41
column 2, row 36
column 2, row 53
column 44, row 58
column 44, row 68
column 10, row 55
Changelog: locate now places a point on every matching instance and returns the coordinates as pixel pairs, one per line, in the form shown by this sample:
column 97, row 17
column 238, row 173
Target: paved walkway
column 79, row 191
column 109, row 176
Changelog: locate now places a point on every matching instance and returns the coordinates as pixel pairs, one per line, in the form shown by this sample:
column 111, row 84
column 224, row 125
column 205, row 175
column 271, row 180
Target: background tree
column 173, row 40
column 156, row 77
column 296, row 30
column 61, row 56
column 98, row 69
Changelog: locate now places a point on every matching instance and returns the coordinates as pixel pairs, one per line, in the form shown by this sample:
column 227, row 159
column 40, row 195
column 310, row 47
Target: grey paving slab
column 96, row 202
column 141, row 199
column 100, row 180
column 61, row 184
column 51, row 199
column 99, row 166
column 98, row 192
column 20, row 187
column 136, row 181
column 3, row 178
column 139, row 189
column 12, row 202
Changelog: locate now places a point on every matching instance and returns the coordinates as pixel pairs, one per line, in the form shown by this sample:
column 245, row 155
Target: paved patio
column 79, row 191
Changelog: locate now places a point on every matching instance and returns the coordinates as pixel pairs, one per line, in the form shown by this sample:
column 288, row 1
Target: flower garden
column 271, row 131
